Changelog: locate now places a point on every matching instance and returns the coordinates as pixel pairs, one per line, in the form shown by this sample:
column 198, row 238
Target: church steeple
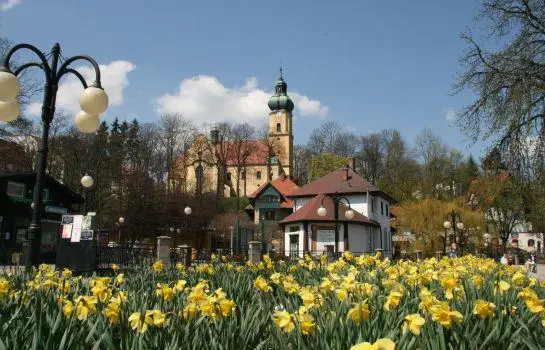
column 280, row 100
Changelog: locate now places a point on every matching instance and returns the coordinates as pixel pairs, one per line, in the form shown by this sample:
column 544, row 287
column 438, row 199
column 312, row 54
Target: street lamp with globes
column 455, row 222
column 87, row 182
column 93, row 101
column 120, row 223
column 349, row 214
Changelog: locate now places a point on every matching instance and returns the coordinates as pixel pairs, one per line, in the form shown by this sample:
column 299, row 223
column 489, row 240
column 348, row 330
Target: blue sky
column 369, row 65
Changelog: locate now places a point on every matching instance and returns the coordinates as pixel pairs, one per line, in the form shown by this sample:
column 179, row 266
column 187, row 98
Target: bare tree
column 243, row 147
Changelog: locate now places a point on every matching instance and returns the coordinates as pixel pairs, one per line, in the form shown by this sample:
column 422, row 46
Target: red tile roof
column 285, row 186
column 309, row 212
column 343, row 180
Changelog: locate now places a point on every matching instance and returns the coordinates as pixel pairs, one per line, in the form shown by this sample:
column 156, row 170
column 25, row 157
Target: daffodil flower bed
column 353, row 303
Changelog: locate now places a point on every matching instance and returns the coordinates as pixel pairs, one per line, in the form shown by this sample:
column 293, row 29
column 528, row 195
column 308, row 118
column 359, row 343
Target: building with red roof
column 340, row 211
column 243, row 165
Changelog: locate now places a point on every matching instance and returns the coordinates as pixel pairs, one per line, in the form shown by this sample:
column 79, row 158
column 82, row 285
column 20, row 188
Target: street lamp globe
column 9, row 110
column 9, row 86
column 121, row 220
column 187, row 210
column 349, row 214
column 460, row 226
column 446, row 225
column 93, row 100
column 487, row 236
column 87, row 181
column 86, row 123
column 322, row 211
column 172, row 229
column 178, row 230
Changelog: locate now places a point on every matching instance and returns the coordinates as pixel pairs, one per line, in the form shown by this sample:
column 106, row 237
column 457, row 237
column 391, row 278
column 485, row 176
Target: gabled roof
column 342, row 181
column 284, row 186
column 309, row 212
column 50, row 182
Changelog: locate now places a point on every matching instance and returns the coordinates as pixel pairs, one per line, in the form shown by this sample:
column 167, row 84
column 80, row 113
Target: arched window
column 258, row 175
column 531, row 242
column 278, row 127
column 228, row 177
column 199, row 175
column 243, row 175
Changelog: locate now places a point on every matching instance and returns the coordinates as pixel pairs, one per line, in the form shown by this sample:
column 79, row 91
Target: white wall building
column 367, row 231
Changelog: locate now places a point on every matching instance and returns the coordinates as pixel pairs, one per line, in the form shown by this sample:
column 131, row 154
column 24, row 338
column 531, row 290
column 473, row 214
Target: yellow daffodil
column 484, row 309
column 85, row 306
column 442, row 314
column 180, row 285
column 393, row 300
column 140, row 323
column 68, row 308
column 381, row 344
column 164, row 292
column 502, row 286
column 413, row 323
column 158, row 266
column 261, row 284
column 112, row 311
column 535, row 305
column 4, row 287
column 306, row 321
column 119, row 278
column 284, row 321
column 359, row 312
column 115, row 267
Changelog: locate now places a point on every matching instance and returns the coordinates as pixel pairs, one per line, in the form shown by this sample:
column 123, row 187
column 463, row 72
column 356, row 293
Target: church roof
column 309, row 212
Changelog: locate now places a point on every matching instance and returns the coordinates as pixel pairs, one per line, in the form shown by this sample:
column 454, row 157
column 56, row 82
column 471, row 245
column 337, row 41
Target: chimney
column 344, row 173
column 352, row 164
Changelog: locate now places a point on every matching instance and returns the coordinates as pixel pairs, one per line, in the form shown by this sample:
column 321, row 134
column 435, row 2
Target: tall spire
column 281, row 72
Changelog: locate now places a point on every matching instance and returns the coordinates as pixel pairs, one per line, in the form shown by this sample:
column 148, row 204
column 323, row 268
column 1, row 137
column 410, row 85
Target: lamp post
column 349, row 214
column 487, row 237
column 87, row 182
column 120, row 223
column 93, row 102
column 187, row 212
column 454, row 221
column 231, row 230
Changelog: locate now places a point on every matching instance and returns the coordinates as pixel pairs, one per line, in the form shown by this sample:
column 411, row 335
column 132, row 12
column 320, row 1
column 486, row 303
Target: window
column 271, row 175
column 268, row 215
column 278, row 127
column 243, row 175
column 258, row 175
column 531, row 242
column 269, row 199
column 228, row 177
column 294, row 228
column 199, row 175
column 372, row 205
column 15, row 189
column 381, row 207
column 46, row 195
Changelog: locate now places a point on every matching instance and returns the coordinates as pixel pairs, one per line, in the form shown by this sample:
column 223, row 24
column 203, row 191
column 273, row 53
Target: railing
column 11, row 260
column 125, row 257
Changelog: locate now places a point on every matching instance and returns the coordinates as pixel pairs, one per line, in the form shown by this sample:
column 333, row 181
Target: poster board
column 66, row 223
column 76, row 228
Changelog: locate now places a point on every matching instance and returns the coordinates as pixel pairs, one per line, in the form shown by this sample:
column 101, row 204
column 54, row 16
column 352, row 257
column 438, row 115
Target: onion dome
column 280, row 100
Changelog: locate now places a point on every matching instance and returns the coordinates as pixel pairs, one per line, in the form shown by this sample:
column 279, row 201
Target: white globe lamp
column 87, row 181
column 9, row 86
column 93, row 100
column 460, row 226
column 188, row 210
column 349, row 214
column 86, row 123
column 121, row 220
column 9, row 110
column 322, row 211
column 446, row 225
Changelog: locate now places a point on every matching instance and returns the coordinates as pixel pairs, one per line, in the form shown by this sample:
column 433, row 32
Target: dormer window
column 278, row 127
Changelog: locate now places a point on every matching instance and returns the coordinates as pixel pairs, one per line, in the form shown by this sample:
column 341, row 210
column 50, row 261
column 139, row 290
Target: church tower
column 280, row 125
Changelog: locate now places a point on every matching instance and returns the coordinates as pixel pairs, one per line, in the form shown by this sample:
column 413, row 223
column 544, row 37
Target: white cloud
column 205, row 99
column 9, row 4
column 450, row 114
column 113, row 78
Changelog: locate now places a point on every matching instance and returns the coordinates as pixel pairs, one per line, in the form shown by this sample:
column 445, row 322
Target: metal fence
column 126, row 257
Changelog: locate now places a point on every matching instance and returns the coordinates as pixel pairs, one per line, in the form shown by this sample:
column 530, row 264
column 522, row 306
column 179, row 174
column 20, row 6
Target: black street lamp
column 349, row 214
column 454, row 221
column 93, row 102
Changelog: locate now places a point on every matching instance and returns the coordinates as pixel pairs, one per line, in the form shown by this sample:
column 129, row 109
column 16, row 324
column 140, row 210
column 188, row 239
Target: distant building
column 250, row 163
column 368, row 231
column 16, row 191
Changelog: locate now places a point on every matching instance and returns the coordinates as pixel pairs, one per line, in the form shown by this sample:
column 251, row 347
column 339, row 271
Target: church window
column 278, row 127
column 199, row 175
column 258, row 175
column 243, row 175
column 271, row 175
column 228, row 177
